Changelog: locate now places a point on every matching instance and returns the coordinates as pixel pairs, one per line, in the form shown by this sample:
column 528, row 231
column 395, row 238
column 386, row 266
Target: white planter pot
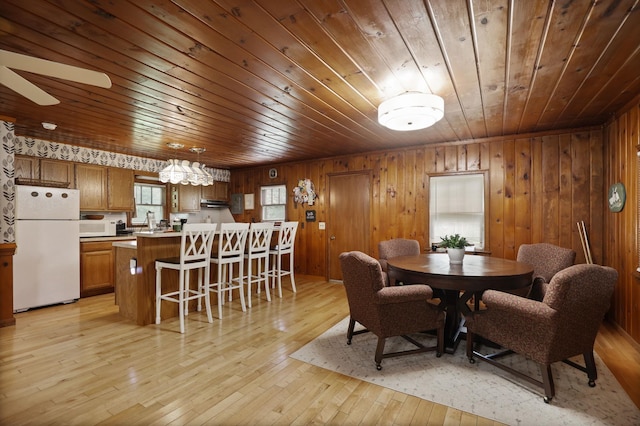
column 455, row 255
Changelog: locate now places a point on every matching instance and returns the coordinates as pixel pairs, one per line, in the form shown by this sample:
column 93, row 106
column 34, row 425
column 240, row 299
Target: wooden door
column 348, row 219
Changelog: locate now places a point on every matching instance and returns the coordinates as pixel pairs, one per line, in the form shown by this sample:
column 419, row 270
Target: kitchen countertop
column 157, row 234
column 131, row 237
column 112, row 238
column 131, row 244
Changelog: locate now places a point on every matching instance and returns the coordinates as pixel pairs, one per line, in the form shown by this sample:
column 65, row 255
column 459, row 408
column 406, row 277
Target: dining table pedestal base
column 456, row 285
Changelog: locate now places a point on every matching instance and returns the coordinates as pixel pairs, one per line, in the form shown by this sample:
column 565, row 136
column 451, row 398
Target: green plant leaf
column 453, row 241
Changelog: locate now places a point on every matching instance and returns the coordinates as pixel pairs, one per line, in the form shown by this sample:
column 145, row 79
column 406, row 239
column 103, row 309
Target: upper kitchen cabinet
column 91, row 180
column 104, row 189
column 185, row 198
column 120, row 193
column 58, row 171
column 44, row 169
column 219, row 191
column 26, row 167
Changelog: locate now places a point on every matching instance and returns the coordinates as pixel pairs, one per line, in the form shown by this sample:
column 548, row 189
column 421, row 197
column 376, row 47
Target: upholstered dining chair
column 195, row 251
column 564, row 324
column 547, row 260
column 393, row 248
column 387, row 311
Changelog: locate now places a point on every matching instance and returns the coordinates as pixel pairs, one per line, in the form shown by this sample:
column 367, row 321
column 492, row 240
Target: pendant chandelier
column 411, row 111
column 185, row 173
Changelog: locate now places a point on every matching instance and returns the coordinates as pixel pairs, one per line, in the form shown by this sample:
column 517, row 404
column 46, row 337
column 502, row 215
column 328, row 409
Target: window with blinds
column 457, row 205
column 273, row 200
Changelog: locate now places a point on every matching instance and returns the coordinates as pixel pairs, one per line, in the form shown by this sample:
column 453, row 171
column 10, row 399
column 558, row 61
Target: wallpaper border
column 13, row 145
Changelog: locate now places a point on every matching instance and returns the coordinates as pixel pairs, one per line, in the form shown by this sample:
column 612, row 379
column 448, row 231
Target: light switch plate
column 321, row 225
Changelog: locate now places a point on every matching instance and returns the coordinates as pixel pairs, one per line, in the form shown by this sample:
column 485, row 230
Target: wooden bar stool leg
column 158, row 292
column 293, row 281
column 181, row 301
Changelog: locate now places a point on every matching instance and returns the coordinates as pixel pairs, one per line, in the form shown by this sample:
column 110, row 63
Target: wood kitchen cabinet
column 104, row 188
column 96, row 268
column 126, row 290
column 120, row 190
column 44, row 169
column 57, row 170
column 91, row 180
column 219, row 191
column 185, row 198
column 26, row 167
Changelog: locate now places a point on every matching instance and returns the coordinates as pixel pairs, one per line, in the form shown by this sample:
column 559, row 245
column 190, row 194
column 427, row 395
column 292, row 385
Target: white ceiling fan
column 29, row 90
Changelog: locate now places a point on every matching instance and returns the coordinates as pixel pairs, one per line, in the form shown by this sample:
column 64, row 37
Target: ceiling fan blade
column 24, row 87
column 54, row 69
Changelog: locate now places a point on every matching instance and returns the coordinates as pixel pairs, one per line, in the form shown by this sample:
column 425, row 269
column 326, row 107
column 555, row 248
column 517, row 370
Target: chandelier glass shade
column 181, row 171
column 411, row 111
column 201, row 175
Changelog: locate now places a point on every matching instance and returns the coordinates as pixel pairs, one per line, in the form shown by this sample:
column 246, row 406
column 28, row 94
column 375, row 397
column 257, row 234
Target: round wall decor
column 273, row 173
column 617, row 197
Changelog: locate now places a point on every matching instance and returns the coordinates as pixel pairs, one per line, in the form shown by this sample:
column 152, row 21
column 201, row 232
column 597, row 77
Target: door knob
column 333, row 237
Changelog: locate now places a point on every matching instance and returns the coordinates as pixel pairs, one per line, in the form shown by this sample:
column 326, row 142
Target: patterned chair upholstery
column 393, row 248
column 564, row 324
column 387, row 311
column 547, row 260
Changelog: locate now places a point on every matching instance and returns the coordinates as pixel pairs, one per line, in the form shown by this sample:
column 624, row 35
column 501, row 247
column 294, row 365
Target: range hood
column 213, row 204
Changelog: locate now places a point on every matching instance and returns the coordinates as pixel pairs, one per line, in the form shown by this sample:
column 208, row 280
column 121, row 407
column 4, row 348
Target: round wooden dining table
column 456, row 284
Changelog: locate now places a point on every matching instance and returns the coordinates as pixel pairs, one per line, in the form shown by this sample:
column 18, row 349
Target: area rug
column 479, row 388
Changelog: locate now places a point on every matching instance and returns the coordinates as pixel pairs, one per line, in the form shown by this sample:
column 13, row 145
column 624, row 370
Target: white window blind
column 273, row 200
column 457, row 206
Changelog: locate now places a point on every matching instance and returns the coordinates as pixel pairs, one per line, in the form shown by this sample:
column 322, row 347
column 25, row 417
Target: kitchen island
column 136, row 275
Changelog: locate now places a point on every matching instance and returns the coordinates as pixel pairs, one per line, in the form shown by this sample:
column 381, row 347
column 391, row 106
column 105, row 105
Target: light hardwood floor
column 83, row 364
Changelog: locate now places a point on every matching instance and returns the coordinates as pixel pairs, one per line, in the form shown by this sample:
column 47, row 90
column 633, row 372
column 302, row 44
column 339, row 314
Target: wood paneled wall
column 541, row 185
column 620, row 230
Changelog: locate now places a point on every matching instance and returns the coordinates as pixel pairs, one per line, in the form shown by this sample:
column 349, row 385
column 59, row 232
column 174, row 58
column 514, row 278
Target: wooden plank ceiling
column 263, row 81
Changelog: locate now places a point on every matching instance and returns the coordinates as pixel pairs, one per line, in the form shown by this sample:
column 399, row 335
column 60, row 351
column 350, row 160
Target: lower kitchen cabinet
column 126, row 283
column 96, row 268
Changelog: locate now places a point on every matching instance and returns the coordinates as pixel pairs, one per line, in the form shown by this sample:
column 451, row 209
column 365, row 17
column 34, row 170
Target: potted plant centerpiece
column 455, row 245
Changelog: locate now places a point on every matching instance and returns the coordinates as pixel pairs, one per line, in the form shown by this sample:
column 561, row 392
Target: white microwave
column 97, row 228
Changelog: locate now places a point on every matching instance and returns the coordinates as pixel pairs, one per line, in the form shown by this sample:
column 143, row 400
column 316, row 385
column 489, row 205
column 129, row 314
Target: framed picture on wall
column 248, row 202
column 237, row 204
column 617, row 197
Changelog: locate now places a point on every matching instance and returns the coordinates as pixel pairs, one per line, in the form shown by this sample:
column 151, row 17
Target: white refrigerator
column 46, row 265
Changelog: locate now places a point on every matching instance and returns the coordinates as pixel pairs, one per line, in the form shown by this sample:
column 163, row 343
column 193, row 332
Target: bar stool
column 231, row 244
column 258, row 250
column 195, row 253
column 286, row 240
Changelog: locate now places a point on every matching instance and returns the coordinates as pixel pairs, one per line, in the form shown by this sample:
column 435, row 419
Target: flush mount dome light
column 411, row 111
